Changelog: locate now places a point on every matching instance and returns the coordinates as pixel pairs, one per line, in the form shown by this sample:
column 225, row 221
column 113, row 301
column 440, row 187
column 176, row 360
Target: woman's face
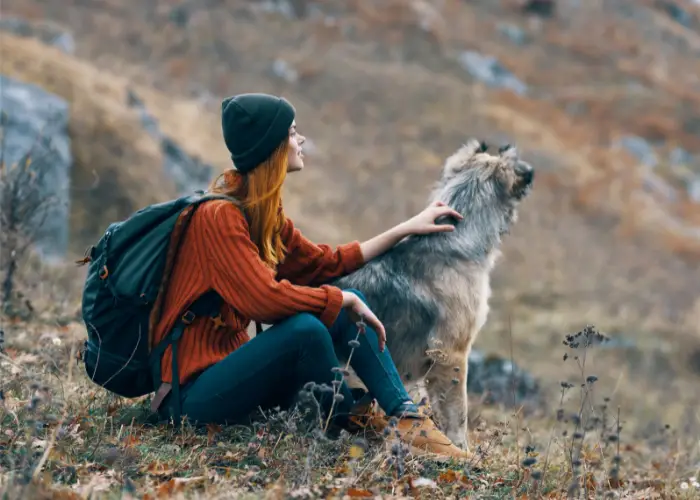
column 295, row 161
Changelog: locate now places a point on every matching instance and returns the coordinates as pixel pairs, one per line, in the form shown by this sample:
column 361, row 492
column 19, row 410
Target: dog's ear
column 509, row 154
column 460, row 158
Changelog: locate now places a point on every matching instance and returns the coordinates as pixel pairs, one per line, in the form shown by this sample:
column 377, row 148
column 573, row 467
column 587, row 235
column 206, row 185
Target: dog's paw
column 459, row 439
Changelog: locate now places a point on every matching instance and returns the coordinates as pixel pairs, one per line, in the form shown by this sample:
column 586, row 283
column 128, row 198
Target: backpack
column 129, row 269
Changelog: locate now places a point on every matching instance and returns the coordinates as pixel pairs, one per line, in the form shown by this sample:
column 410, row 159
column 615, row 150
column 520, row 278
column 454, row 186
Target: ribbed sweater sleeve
column 239, row 275
column 311, row 264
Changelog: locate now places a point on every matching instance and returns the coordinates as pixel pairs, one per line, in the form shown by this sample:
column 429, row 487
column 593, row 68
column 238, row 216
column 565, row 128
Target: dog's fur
column 431, row 291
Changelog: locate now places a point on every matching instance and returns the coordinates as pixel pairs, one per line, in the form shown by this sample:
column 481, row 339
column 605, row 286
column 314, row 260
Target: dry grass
column 64, row 438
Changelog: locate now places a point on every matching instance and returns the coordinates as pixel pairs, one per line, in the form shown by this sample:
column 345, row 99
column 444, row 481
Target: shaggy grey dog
column 431, row 291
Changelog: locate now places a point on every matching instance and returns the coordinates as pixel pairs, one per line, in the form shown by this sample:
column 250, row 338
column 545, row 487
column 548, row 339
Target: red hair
column 260, row 193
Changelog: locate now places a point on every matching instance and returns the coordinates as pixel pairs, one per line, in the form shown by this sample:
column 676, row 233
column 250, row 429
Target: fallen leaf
column 591, row 483
column 354, row 492
column 176, row 485
column 424, row 481
column 158, row 469
column 131, row 440
column 356, row 451
column 449, row 476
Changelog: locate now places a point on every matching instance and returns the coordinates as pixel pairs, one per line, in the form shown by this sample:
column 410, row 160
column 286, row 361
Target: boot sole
column 438, row 457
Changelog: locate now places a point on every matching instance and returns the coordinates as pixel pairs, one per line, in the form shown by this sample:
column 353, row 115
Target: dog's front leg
column 447, row 389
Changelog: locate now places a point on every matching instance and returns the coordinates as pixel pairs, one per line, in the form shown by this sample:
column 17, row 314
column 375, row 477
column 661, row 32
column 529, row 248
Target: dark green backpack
column 126, row 273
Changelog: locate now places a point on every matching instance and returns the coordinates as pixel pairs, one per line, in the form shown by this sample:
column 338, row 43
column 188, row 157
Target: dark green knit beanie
column 253, row 126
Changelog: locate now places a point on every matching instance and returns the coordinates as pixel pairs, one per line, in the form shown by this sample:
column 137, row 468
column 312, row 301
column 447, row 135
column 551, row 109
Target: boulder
column 513, row 33
column 541, row 8
column 490, row 71
column 35, row 126
column 676, row 12
column 640, row 148
column 188, row 173
column 498, row 380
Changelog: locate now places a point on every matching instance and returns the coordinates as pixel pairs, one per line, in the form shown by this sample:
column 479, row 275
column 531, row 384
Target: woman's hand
column 424, row 222
column 358, row 310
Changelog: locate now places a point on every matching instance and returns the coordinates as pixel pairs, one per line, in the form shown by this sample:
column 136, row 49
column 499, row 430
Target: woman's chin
column 299, row 165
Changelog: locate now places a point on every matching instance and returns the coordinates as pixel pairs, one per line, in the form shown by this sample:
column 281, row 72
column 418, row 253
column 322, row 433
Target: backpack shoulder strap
column 179, row 230
column 216, row 196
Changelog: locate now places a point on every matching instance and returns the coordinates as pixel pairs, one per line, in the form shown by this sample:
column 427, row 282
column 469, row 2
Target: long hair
column 260, row 193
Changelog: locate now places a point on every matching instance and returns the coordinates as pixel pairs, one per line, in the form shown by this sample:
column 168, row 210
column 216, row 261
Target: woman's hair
column 261, row 197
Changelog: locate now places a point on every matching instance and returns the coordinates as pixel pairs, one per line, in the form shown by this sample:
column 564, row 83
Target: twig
column 360, row 328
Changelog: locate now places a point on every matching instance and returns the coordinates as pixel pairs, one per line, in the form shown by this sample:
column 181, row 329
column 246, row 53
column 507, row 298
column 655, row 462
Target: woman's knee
column 308, row 327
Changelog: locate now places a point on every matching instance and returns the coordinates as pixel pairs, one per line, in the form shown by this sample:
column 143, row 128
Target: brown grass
column 65, row 438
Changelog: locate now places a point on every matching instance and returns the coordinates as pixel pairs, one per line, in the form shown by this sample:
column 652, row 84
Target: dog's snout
column 526, row 172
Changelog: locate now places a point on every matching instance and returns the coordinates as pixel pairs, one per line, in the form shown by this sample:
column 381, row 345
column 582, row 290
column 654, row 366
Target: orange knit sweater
column 217, row 253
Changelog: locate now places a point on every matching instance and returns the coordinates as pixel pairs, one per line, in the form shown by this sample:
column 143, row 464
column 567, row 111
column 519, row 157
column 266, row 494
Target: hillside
column 381, row 93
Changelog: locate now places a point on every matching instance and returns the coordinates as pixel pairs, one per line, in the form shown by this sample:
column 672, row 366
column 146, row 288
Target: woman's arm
column 423, row 223
column 236, row 272
column 311, row 264
column 379, row 244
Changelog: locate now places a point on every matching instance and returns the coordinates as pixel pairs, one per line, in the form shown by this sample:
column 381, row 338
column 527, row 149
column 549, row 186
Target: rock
column 676, row 12
column 188, row 172
column 490, row 71
column 46, row 32
column 514, row 33
column 542, row 8
column 652, row 183
column 639, row 148
column 284, row 71
column 693, row 189
column 65, row 42
column 686, row 168
column 694, row 360
column 498, row 379
column 291, row 9
column 35, row 124
column 180, row 15
column 680, row 157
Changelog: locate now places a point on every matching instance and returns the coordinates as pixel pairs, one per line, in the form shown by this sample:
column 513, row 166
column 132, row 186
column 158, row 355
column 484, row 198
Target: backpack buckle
column 188, row 317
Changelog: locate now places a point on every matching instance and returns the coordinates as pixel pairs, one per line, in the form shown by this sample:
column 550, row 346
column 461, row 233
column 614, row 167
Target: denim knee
column 310, row 329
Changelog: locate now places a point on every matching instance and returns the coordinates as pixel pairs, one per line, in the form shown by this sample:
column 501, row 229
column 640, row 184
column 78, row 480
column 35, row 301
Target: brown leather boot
column 417, row 430
column 366, row 415
column 424, row 438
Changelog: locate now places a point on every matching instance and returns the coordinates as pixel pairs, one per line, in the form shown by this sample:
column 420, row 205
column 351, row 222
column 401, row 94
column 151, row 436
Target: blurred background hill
column 601, row 96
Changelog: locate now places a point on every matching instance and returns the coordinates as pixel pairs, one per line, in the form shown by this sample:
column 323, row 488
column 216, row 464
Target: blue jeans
column 271, row 369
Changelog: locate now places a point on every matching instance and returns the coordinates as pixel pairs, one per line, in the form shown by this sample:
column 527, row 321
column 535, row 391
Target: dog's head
column 475, row 181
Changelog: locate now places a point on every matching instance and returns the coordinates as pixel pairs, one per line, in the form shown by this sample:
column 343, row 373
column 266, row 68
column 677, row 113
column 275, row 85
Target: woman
column 266, row 271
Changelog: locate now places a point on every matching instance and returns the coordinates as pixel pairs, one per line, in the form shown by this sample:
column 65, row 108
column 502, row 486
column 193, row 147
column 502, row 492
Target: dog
column 431, row 292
